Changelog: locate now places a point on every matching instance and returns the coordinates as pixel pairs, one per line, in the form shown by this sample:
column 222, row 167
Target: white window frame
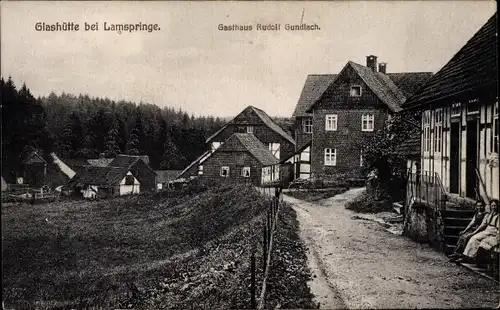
column 495, row 138
column 200, row 169
column 438, row 130
column 455, row 109
column 224, row 168
column 368, row 119
column 351, row 93
column 330, row 157
column 331, row 121
column 306, row 127
column 243, row 170
column 426, row 124
column 469, row 112
column 249, row 129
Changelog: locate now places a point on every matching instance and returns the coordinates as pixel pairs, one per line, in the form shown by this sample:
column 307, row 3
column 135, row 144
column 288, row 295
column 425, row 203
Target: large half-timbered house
column 459, row 129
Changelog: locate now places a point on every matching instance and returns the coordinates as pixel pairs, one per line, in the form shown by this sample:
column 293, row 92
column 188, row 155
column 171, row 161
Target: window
column 245, row 172
column 438, row 130
column 224, row 171
column 275, row 149
column 249, row 129
column 426, row 120
column 331, row 122
column 215, row 145
column 494, row 136
column 473, row 106
column 355, row 91
column 200, row 169
column 307, row 125
column 330, row 157
column 129, row 179
column 367, row 122
column 455, row 109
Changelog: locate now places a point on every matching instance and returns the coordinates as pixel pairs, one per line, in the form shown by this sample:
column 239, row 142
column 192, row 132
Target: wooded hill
column 85, row 127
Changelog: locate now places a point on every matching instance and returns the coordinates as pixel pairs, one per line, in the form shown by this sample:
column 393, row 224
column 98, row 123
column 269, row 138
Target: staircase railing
column 426, row 187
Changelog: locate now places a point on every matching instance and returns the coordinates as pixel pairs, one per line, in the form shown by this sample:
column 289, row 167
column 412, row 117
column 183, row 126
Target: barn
column 100, row 182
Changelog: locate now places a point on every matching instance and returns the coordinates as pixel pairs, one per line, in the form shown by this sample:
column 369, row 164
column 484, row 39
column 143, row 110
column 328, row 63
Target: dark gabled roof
column 127, row 161
column 409, row 82
column 34, row 157
column 100, row 162
column 251, row 144
column 474, row 66
column 302, row 148
column 410, row 148
column 265, row 119
column 391, row 88
column 314, row 87
column 383, row 87
column 75, row 164
column 103, row 176
column 167, row 175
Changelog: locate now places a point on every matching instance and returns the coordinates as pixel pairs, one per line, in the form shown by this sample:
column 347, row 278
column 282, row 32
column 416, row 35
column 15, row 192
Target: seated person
column 465, row 234
column 488, row 228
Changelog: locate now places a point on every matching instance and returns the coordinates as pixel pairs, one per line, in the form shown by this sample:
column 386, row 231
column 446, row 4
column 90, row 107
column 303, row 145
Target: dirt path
column 358, row 264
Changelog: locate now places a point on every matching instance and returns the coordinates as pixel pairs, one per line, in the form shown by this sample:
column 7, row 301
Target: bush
column 365, row 203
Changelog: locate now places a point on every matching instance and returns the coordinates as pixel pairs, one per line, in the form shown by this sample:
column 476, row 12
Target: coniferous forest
column 84, row 127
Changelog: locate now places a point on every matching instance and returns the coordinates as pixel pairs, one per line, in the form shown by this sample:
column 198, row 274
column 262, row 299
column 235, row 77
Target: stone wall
column 423, row 223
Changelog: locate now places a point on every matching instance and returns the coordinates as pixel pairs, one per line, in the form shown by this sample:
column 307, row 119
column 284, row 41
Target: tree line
column 88, row 127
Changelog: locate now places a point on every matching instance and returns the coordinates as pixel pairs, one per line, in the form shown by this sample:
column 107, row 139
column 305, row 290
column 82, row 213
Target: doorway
column 454, row 157
column 471, row 153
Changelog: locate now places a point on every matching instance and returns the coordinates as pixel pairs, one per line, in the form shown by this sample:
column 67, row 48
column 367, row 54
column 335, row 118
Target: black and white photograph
column 249, row 154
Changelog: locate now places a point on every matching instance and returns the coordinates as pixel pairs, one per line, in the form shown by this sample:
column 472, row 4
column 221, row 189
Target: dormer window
column 355, row 91
column 249, row 129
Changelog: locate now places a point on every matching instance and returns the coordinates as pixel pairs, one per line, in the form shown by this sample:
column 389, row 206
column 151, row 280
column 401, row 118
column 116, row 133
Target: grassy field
column 140, row 252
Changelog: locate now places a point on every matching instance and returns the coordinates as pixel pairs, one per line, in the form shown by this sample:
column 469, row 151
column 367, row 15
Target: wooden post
column 252, row 281
column 266, row 242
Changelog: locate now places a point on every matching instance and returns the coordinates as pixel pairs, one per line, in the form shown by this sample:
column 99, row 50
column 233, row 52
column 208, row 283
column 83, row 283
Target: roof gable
column 472, row 67
column 127, row 161
column 314, row 86
column 247, row 142
column 261, row 116
column 32, row 158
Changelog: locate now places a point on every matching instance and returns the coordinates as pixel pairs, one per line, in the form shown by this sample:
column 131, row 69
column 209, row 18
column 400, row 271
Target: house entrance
column 454, row 156
column 471, row 153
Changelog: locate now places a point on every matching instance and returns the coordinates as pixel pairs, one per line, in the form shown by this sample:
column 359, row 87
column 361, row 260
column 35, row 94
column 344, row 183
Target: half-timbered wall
column 437, row 150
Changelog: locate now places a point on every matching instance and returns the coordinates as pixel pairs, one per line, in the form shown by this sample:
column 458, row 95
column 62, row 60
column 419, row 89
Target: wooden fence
column 267, row 245
column 426, row 188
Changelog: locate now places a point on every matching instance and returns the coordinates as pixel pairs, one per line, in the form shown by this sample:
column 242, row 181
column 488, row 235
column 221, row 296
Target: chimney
column 371, row 62
column 382, row 67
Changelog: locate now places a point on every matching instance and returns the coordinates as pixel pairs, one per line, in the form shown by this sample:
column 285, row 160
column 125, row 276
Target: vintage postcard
column 249, row 155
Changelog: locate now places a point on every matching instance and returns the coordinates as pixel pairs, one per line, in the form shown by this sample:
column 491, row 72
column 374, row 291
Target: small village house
column 100, row 182
column 140, row 168
column 34, row 169
column 250, row 120
column 241, row 158
column 459, row 127
column 354, row 106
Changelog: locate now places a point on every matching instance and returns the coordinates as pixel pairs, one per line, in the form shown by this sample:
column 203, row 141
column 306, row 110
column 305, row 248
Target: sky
column 190, row 64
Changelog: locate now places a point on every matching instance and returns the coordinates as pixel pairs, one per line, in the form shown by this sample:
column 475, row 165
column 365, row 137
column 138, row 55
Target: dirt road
column 358, row 264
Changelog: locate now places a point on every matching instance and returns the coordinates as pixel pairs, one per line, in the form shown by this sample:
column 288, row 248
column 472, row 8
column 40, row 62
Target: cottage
column 35, row 169
column 459, row 127
column 139, row 166
column 250, row 120
column 241, row 158
column 356, row 104
column 93, row 182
